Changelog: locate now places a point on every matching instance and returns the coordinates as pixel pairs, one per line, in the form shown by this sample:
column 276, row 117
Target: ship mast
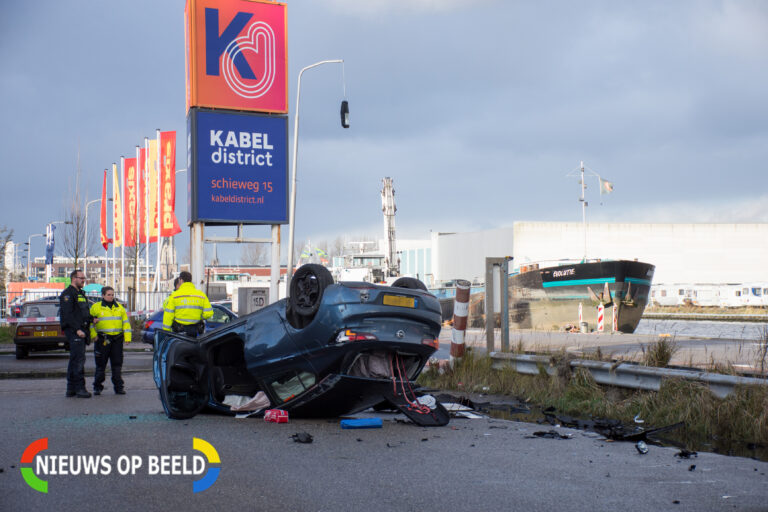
column 584, row 205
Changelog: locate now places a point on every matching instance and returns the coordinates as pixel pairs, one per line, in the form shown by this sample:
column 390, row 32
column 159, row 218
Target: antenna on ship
column 606, row 187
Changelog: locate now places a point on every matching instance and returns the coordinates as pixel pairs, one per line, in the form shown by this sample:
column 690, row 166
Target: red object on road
column 276, row 416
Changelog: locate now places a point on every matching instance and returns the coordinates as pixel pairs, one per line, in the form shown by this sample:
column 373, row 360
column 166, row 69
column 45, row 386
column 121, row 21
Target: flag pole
column 114, row 235
column 121, row 184
column 159, row 211
column 146, row 222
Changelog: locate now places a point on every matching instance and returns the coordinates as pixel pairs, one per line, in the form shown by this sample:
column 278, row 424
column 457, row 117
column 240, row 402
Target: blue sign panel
column 238, row 168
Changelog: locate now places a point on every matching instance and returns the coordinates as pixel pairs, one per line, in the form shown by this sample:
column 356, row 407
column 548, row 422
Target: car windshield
column 219, row 316
column 40, row 309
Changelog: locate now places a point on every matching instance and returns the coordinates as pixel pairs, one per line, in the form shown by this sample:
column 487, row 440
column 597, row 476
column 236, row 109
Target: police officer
column 110, row 328
column 75, row 320
column 186, row 308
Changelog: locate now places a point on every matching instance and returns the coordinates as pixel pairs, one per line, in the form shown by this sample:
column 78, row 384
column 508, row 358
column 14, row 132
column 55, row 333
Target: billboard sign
column 237, row 55
column 238, row 168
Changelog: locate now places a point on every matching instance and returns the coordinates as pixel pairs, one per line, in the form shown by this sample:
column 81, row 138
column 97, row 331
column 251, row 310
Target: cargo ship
column 548, row 298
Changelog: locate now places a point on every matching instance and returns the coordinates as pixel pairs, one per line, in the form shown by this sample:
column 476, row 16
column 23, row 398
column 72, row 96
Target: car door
column 181, row 374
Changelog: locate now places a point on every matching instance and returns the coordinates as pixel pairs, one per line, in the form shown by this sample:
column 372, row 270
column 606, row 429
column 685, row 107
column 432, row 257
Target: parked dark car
column 221, row 316
column 327, row 350
column 42, row 335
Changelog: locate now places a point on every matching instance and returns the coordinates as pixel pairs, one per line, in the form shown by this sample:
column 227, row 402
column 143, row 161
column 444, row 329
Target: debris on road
column 642, row 448
column 276, row 416
column 361, row 423
column 302, row 437
column 686, row 454
column 549, row 434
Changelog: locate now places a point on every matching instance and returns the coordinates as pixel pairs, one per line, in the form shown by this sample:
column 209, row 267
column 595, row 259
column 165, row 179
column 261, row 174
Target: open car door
column 181, row 374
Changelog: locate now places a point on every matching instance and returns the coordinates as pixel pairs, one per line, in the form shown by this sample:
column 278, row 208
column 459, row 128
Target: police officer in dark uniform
column 75, row 319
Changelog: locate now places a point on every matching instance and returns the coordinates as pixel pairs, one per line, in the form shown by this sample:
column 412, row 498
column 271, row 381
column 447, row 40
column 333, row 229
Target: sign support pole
column 197, row 253
column 274, row 275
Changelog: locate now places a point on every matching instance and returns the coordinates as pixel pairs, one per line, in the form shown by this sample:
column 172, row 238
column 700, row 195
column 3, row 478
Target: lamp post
column 89, row 203
column 29, row 256
column 292, row 211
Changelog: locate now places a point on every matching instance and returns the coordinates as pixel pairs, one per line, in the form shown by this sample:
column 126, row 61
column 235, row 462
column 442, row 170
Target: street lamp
column 29, row 243
column 89, row 203
column 292, row 212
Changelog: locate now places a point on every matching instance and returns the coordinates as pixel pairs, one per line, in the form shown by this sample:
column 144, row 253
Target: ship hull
column 548, row 298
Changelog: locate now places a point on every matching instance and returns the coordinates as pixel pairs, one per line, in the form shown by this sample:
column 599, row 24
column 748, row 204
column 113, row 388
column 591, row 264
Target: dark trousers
column 105, row 350
column 76, row 366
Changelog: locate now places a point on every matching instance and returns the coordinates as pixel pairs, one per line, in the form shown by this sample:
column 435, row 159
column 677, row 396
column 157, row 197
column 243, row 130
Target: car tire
column 306, row 292
column 21, row 352
column 409, row 282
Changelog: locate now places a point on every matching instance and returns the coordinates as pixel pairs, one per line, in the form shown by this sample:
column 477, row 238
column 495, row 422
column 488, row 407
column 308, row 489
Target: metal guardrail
column 624, row 374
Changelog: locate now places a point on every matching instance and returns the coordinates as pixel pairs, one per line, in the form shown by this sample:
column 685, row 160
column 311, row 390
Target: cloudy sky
column 477, row 109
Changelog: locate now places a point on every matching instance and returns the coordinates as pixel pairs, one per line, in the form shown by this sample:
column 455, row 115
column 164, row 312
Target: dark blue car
column 327, row 350
column 221, row 316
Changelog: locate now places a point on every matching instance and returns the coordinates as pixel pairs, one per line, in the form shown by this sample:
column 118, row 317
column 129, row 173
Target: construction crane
column 391, row 263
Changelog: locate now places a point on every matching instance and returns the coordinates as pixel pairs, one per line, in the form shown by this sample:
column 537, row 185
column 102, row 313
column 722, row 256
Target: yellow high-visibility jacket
column 111, row 320
column 187, row 306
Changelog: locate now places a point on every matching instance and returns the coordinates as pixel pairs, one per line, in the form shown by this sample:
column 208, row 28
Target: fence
column 137, row 304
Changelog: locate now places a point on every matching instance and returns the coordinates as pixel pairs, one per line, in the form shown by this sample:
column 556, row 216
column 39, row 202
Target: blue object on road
column 362, row 423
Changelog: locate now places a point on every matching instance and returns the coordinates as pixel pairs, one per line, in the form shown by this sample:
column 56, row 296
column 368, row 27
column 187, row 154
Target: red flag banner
column 117, row 214
column 103, row 224
column 142, row 201
column 129, row 189
column 169, row 226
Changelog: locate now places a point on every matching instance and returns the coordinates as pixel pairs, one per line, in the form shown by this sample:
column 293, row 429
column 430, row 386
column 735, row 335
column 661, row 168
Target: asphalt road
column 138, row 357
column 480, row 464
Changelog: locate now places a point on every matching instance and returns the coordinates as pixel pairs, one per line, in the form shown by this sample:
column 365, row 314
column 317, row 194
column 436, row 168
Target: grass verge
column 6, row 333
column 742, row 417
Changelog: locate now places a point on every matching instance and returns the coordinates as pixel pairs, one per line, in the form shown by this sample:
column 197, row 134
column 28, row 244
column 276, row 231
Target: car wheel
column 307, row 287
column 409, row 282
column 21, row 352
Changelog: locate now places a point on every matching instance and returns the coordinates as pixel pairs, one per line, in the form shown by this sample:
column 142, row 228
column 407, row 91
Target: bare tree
column 74, row 238
column 254, row 254
column 5, row 237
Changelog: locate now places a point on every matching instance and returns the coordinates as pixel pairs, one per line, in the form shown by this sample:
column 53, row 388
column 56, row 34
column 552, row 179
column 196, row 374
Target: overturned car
column 327, row 350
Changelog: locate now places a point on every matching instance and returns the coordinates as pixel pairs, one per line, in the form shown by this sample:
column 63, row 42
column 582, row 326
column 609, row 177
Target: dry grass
column 741, row 417
column 660, row 353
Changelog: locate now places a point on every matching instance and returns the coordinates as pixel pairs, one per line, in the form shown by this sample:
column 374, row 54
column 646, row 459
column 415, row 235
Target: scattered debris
column 241, row 403
column 425, row 439
column 638, row 420
column 550, row 434
column 361, row 423
column 676, row 502
column 276, row 416
column 131, row 417
column 686, row 454
column 302, row 437
column 642, row 448
column 692, row 467
column 468, row 415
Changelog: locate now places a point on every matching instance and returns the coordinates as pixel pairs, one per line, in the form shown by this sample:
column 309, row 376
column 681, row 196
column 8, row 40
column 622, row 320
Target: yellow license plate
column 41, row 334
column 398, row 300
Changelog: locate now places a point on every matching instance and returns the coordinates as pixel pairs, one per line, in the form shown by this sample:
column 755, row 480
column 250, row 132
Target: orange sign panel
column 237, row 55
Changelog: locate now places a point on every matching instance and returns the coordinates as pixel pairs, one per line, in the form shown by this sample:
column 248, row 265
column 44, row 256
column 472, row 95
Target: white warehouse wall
column 462, row 255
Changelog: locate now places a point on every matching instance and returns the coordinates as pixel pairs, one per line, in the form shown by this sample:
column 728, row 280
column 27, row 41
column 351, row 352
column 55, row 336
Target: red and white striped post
column 615, row 326
column 460, row 314
column 600, row 318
